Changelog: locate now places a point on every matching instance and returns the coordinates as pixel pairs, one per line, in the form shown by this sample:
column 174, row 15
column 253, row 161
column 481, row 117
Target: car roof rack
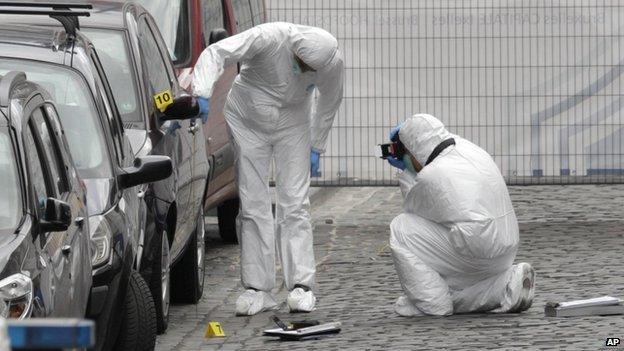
column 8, row 81
column 61, row 12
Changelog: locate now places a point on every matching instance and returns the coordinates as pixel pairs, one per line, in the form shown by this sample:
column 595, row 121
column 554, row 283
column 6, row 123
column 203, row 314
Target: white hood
column 315, row 46
column 421, row 134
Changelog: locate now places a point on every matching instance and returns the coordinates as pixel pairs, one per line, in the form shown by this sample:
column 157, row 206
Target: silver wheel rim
column 200, row 248
column 165, row 270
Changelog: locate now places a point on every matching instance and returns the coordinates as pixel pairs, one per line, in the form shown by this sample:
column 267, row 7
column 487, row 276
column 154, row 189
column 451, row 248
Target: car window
column 172, row 19
column 257, row 11
column 76, row 108
column 38, row 177
column 212, row 11
column 156, row 67
column 11, row 204
column 105, row 94
column 52, row 152
column 242, row 12
column 114, row 54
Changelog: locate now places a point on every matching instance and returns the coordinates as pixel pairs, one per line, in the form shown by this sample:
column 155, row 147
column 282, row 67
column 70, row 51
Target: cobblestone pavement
column 573, row 236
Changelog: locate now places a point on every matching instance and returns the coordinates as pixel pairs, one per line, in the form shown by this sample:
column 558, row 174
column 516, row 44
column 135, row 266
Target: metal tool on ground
column 600, row 306
column 294, row 325
column 279, row 323
column 302, row 330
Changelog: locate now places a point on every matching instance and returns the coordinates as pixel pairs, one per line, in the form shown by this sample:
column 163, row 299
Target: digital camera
column 395, row 149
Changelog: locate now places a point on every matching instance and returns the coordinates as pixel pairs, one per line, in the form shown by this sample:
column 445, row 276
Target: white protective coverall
column 269, row 114
column 455, row 243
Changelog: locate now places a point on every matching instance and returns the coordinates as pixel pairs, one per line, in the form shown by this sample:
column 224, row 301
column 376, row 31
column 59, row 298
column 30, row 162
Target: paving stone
column 573, row 236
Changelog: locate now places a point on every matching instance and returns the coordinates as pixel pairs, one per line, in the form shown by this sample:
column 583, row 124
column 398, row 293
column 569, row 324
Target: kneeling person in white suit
column 455, row 244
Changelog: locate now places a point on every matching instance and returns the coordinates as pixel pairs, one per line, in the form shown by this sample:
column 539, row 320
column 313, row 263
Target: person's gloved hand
column 204, row 108
column 314, row 163
column 398, row 163
column 173, row 126
column 394, row 133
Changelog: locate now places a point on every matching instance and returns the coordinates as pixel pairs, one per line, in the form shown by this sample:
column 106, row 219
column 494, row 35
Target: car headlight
column 101, row 236
column 16, row 296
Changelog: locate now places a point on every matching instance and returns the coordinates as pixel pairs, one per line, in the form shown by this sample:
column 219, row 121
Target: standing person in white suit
column 269, row 114
column 455, row 244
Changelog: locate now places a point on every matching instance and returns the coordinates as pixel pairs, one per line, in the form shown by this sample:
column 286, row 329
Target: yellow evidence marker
column 163, row 100
column 214, row 330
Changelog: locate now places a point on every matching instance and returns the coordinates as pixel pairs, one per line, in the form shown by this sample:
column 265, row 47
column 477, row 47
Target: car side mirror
column 57, row 216
column 217, row 35
column 146, row 169
column 183, row 107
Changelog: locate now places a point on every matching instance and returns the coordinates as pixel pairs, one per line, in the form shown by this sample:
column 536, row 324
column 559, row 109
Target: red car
column 188, row 26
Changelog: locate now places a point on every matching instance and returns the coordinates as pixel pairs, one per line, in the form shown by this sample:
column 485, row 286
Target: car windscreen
column 114, row 54
column 76, row 107
column 10, row 198
column 172, row 19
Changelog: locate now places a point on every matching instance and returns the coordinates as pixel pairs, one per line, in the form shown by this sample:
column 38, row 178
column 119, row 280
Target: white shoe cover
column 520, row 289
column 404, row 307
column 252, row 302
column 300, row 300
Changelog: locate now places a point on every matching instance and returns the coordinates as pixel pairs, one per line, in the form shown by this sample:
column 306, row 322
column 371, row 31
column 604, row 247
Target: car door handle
column 66, row 250
column 193, row 128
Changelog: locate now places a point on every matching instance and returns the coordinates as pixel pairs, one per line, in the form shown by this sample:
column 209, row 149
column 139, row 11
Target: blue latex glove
column 314, row 163
column 394, row 133
column 395, row 162
column 175, row 125
column 204, row 108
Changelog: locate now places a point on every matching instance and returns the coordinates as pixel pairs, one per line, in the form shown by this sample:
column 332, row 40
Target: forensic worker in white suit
column 269, row 114
column 455, row 243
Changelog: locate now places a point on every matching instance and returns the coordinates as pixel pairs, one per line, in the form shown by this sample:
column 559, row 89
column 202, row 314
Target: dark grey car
column 139, row 68
column 45, row 262
column 67, row 65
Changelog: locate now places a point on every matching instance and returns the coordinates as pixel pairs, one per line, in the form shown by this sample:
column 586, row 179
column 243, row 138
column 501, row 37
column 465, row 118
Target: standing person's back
column 456, row 242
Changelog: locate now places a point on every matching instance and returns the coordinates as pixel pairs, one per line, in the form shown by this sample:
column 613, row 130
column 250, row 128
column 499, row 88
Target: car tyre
column 188, row 274
column 160, row 281
column 138, row 324
column 227, row 213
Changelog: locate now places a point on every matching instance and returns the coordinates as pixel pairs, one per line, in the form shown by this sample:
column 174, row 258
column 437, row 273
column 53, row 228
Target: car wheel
column 159, row 282
column 138, row 323
column 227, row 213
column 188, row 274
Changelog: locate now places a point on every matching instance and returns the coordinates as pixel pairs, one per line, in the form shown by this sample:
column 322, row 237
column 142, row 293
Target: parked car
column 135, row 58
column 45, row 268
column 188, row 26
column 67, row 65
